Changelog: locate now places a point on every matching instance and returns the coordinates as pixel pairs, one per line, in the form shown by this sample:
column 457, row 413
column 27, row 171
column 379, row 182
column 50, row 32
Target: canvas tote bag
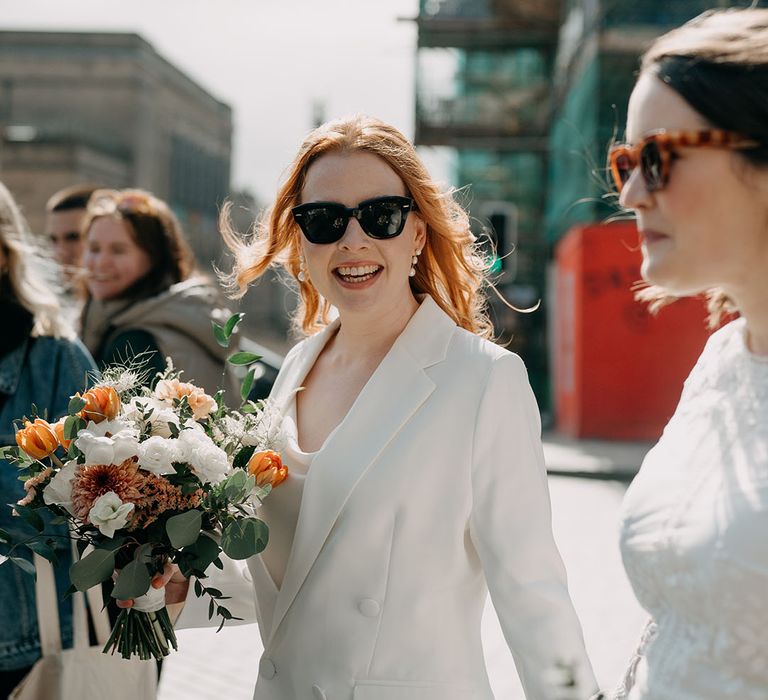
column 83, row 672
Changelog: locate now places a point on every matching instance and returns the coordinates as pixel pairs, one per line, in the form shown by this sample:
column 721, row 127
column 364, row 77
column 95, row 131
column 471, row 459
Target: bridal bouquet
column 146, row 477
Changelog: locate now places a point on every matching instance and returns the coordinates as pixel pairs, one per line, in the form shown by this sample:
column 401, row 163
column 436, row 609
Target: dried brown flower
column 95, row 480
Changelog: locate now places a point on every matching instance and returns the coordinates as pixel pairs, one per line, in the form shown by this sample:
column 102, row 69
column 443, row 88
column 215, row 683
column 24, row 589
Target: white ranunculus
column 157, row 454
column 208, row 461
column 108, row 450
column 59, row 489
column 111, row 427
column 109, row 513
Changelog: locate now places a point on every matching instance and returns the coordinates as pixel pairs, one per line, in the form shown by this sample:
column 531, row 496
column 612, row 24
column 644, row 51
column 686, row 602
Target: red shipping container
column 618, row 370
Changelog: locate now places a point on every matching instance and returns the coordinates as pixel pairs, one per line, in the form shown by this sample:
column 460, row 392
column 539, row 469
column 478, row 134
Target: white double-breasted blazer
column 431, row 492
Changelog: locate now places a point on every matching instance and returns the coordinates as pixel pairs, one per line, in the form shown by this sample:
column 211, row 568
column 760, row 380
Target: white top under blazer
column 431, row 492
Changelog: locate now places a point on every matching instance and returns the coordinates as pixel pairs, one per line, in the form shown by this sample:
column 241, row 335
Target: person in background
column 694, row 534
column 416, row 477
column 65, row 211
column 144, row 295
column 41, row 363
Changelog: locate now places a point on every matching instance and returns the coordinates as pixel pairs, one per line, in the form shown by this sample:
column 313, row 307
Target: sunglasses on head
column 380, row 217
column 653, row 155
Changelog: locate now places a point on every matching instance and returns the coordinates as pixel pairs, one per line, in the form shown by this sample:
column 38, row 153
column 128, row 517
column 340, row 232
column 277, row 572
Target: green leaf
column 71, row 425
column 234, row 486
column 184, row 529
column 243, row 358
column 244, row 538
column 134, row 580
column 5, row 538
column 30, row 516
column 44, row 550
column 76, row 404
column 143, row 553
column 26, row 566
column 233, row 322
column 241, row 458
column 92, row 569
column 247, row 384
column 9, row 453
column 221, row 337
column 202, row 553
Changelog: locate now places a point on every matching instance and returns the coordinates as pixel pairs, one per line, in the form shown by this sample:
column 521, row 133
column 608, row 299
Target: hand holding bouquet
column 146, row 478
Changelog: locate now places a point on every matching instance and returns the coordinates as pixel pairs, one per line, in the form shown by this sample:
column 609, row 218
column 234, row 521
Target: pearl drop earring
column 414, row 260
column 302, row 276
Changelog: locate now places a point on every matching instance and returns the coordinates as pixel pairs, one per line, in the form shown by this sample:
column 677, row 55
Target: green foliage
column 184, row 529
column 223, row 334
column 30, row 516
column 132, row 581
column 243, row 358
column 92, row 569
column 25, row 565
column 72, row 424
column 244, row 538
column 76, row 404
column 247, row 384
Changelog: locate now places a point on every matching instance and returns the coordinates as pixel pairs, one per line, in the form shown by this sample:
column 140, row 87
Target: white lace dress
column 695, row 534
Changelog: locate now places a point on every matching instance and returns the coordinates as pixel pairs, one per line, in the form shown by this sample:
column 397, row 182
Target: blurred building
column 107, row 108
column 528, row 94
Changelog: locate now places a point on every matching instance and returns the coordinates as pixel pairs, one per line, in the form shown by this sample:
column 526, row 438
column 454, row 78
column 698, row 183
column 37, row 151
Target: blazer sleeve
column 233, row 581
column 511, row 529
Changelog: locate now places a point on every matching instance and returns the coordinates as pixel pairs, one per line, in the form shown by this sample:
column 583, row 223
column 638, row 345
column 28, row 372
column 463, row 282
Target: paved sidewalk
column 594, row 459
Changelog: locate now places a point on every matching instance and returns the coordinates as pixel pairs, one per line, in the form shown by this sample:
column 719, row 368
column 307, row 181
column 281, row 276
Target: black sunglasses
column 380, row 217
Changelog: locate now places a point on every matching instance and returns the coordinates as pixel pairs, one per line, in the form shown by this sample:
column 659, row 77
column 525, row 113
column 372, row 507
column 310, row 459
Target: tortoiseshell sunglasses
column 654, row 153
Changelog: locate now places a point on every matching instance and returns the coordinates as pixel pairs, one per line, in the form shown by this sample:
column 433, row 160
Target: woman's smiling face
column 358, row 273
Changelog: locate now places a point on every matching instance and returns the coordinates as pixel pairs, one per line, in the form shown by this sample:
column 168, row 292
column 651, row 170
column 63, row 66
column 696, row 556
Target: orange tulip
column 101, row 403
column 268, row 468
column 58, row 429
column 37, row 439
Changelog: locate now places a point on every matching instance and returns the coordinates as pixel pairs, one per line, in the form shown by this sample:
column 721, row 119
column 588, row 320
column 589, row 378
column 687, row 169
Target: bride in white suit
column 416, row 479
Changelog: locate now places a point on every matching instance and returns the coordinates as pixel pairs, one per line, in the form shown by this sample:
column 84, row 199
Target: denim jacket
column 44, row 371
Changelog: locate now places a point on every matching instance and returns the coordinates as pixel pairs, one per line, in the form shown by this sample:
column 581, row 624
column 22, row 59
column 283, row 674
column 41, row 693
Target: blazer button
column 267, row 668
column 369, row 607
column 318, row 693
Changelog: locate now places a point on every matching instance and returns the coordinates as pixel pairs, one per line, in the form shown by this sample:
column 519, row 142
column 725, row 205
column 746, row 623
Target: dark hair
column 156, row 231
column 75, row 197
column 718, row 63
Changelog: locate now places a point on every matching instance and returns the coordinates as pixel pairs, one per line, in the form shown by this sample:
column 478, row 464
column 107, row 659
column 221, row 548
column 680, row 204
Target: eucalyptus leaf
column 76, row 404
column 26, row 566
column 203, row 552
column 30, row 516
column 132, row 581
column 92, row 569
column 241, row 458
column 44, row 550
column 72, row 424
column 184, row 529
column 143, row 553
column 244, row 538
column 243, row 358
column 234, row 486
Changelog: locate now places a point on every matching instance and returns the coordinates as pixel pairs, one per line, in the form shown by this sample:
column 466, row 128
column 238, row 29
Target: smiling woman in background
column 695, row 529
column 143, row 292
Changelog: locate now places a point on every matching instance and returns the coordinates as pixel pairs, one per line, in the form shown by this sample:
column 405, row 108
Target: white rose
column 157, row 454
column 109, row 513
column 108, row 450
column 208, row 461
column 106, row 426
column 59, row 489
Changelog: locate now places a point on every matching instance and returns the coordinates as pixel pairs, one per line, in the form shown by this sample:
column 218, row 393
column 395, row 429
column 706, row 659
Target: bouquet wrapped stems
column 143, row 634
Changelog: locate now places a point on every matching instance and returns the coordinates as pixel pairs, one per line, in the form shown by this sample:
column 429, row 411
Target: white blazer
column 431, row 491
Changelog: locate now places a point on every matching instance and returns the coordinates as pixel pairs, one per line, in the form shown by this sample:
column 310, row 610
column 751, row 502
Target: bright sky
column 268, row 59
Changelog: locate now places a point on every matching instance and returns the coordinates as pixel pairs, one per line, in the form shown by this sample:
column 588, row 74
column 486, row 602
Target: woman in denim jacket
column 40, row 363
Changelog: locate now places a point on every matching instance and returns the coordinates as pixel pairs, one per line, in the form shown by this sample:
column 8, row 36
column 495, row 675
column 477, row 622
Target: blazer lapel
column 395, row 391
